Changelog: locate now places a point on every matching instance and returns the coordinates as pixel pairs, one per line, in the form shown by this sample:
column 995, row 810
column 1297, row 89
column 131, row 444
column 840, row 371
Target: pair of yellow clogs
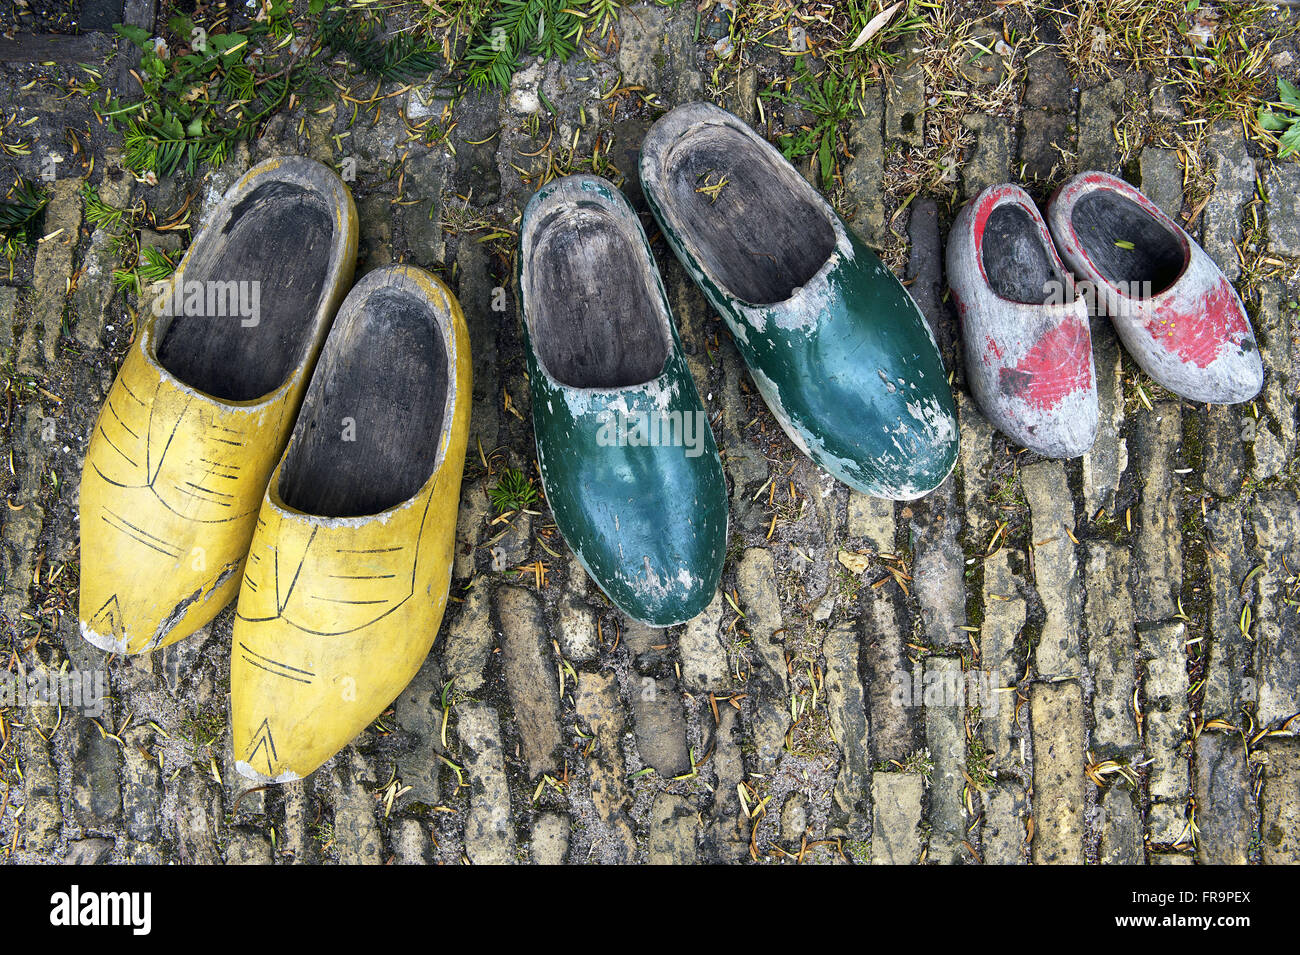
column 268, row 435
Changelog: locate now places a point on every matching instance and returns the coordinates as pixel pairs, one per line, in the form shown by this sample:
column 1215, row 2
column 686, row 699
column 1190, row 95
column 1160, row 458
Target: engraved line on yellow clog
column 275, row 667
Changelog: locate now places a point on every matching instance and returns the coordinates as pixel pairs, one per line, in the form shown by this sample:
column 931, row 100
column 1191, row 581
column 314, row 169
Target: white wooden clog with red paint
column 1026, row 339
column 1172, row 307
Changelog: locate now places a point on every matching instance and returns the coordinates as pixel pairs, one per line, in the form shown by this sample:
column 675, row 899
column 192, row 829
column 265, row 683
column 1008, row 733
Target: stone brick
column 1282, row 185
column 945, row 735
column 1158, row 545
column 357, row 838
column 247, row 848
column 1279, row 803
column 864, row 174
column 1120, row 829
column 1056, row 715
column 1098, row 113
column 794, row 819
column 703, row 656
column 1276, row 520
column 1055, row 568
column 42, row 819
column 96, row 777
column 1043, row 136
column 530, row 677
column 489, row 828
column 469, row 524
column 872, row 518
column 770, row 714
column 673, row 824
column 1104, row 464
column 895, row 729
column 1167, row 824
column 976, row 460
column 938, row 566
column 896, row 819
column 550, row 839
column 1274, row 444
column 1225, row 814
column 1048, row 80
column 1003, row 833
column 1004, row 618
column 197, row 819
column 576, row 630
column 905, row 102
column 38, row 349
column 660, row 725
column 469, row 640
column 1165, row 715
column 1234, row 186
column 1162, row 179
column 659, row 51
column 1223, row 449
column 727, row 836
column 418, row 711
column 846, row 707
column 95, row 277
column 980, row 66
column 598, row 707
column 410, row 843
column 990, row 160
column 1112, row 649
column 1230, row 650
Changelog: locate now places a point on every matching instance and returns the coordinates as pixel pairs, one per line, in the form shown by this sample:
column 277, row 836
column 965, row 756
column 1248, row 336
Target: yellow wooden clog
column 351, row 561
column 204, row 403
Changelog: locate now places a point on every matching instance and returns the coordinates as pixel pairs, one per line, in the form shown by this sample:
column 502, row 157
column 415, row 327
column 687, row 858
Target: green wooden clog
column 837, row 347
column 627, row 458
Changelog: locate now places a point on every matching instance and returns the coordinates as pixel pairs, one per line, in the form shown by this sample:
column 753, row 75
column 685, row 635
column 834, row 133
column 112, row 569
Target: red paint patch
column 1058, row 365
column 961, row 306
column 1200, row 335
column 991, row 347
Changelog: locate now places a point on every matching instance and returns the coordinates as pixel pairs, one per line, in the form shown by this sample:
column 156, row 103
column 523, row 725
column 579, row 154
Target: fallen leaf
column 876, row 24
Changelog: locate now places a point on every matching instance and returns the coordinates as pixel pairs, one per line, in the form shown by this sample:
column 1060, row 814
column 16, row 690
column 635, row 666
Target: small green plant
column 20, row 215
column 403, row 57
column 920, row 762
column 519, row 28
column 101, row 214
column 203, row 728
column 977, row 765
column 152, row 265
column 1287, row 121
column 204, row 91
column 874, row 31
column 515, row 491
column 603, row 13
column 831, row 100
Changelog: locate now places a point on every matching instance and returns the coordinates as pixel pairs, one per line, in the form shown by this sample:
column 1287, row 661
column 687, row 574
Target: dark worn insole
column 279, row 236
column 761, row 235
column 593, row 317
column 1018, row 267
column 1102, row 219
column 367, row 436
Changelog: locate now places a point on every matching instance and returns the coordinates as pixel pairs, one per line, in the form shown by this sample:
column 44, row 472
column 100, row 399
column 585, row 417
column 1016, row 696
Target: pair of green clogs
column 837, row 347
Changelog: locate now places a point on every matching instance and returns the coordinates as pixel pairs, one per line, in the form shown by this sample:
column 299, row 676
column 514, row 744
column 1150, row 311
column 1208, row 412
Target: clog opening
column 1126, row 244
column 1016, row 261
column 594, row 310
column 250, row 294
column 368, row 434
column 756, row 225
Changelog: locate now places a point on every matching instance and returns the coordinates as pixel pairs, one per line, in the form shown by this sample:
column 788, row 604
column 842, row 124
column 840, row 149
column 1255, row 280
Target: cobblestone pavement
column 1126, row 623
